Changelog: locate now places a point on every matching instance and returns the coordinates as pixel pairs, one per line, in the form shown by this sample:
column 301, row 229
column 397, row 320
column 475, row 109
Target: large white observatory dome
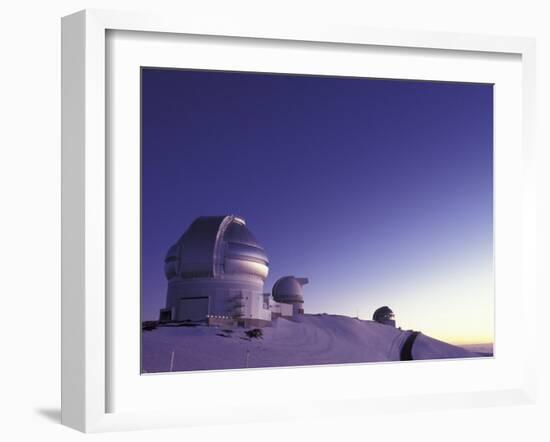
column 217, row 269
column 215, row 246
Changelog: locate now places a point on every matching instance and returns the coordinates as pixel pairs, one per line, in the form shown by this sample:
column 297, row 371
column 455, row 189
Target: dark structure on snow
column 384, row 315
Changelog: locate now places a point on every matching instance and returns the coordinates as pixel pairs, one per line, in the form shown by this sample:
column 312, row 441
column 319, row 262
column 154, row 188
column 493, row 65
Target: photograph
column 293, row 220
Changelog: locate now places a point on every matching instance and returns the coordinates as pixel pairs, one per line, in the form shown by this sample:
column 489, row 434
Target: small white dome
column 288, row 290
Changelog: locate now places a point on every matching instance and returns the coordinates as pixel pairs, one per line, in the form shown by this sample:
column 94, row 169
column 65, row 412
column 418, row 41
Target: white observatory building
column 216, row 273
column 288, row 291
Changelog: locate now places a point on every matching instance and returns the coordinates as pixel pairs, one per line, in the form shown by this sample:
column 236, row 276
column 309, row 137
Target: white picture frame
column 86, row 206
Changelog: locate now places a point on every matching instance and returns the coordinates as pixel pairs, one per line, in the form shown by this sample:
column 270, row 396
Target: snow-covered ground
column 486, row 348
column 305, row 340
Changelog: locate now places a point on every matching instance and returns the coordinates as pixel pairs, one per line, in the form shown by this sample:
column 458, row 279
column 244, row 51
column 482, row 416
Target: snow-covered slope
column 306, row 340
column 429, row 348
column 484, row 349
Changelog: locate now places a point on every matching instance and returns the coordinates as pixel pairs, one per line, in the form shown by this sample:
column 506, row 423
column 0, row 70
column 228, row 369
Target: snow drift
column 302, row 340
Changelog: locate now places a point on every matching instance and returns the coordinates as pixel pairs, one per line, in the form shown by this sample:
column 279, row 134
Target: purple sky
column 377, row 190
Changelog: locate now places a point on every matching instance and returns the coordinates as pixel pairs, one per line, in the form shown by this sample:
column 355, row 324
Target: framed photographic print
column 341, row 215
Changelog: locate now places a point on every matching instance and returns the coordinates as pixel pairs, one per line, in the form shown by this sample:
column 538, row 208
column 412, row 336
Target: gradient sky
column 378, row 191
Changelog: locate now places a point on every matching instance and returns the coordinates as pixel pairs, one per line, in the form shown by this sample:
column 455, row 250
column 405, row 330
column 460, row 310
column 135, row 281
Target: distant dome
column 288, row 290
column 384, row 315
column 214, row 246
